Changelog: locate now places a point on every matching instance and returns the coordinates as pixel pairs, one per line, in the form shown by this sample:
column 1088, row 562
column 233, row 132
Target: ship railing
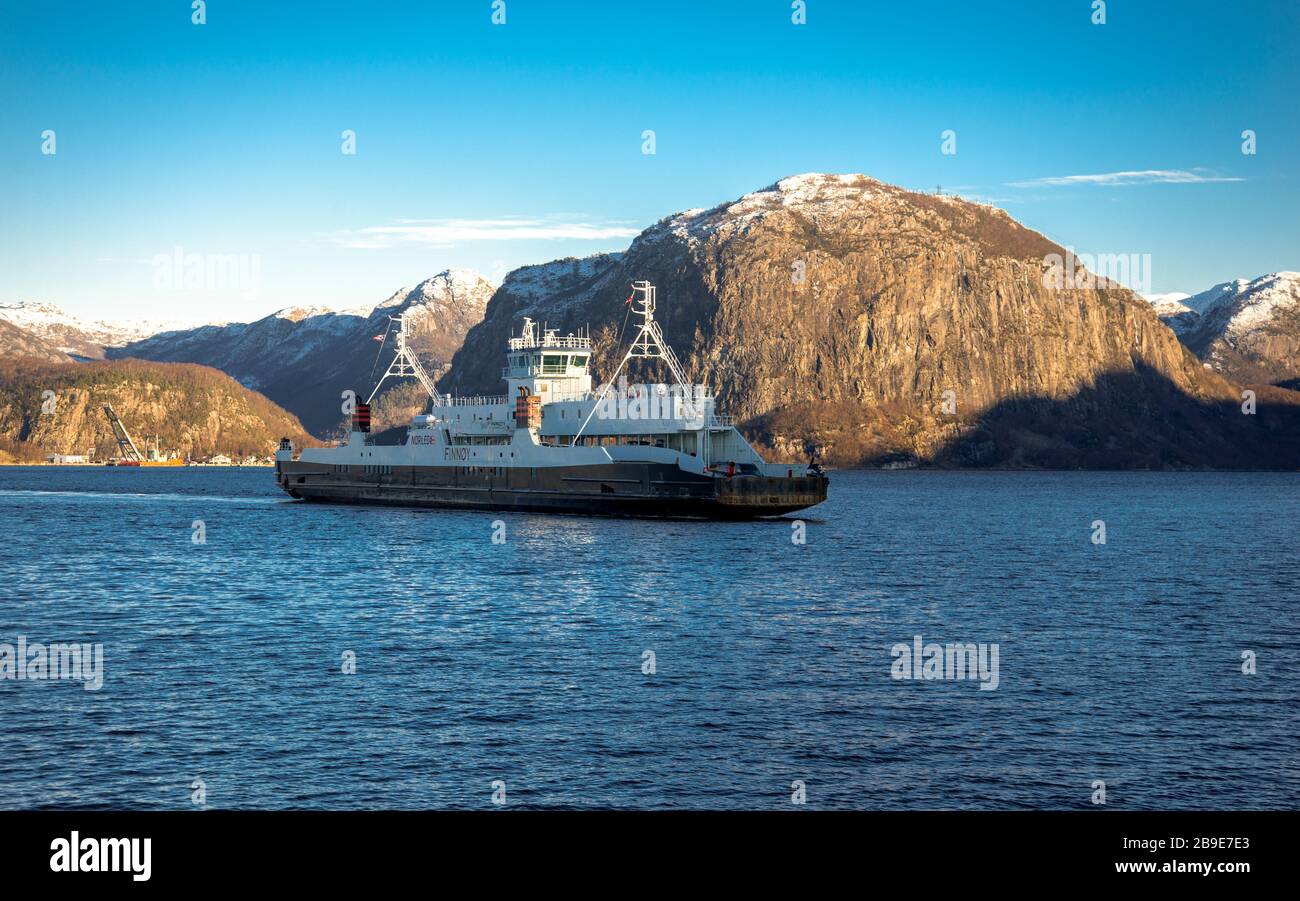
column 693, row 405
column 721, row 421
column 526, row 371
column 571, row 342
column 476, row 400
column 784, row 470
column 564, row 397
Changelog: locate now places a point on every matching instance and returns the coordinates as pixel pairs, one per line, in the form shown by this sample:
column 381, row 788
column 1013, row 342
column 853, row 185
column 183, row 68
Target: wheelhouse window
column 554, row 364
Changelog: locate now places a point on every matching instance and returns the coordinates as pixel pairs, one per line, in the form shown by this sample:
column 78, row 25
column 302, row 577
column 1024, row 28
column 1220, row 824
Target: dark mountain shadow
column 1125, row 420
column 1131, row 420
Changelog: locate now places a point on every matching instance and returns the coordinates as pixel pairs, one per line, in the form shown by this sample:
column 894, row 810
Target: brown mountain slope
column 192, row 409
column 833, row 313
column 17, row 342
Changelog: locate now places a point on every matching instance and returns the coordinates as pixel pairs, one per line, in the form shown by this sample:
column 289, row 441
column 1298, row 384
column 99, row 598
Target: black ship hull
column 621, row 489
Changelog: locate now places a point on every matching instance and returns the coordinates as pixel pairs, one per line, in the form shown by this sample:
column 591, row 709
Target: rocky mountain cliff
column 1248, row 329
column 192, row 409
column 304, row 358
column 833, row 314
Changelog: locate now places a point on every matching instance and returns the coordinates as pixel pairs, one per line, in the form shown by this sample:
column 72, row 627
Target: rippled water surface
column 523, row 661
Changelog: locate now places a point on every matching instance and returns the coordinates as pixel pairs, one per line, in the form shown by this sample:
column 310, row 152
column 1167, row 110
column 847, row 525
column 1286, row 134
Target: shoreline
column 829, row 469
column 106, row 466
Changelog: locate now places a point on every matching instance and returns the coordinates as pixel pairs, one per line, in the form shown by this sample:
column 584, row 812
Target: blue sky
column 491, row 146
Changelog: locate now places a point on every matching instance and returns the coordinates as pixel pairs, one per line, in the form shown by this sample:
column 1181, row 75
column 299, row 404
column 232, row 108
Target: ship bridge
column 551, row 366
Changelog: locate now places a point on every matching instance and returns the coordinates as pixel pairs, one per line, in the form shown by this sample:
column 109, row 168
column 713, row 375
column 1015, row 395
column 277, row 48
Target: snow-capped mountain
column 1173, row 310
column 1248, row 329
column 304, row 357
column 1245, row 304
column 73, row 335
column 1173, row 297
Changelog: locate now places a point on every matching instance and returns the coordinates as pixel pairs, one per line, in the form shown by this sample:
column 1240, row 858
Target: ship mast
column 650, row 343
column 405, row 364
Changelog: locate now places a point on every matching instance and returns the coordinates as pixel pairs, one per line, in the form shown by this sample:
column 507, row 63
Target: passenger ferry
column 553, row 444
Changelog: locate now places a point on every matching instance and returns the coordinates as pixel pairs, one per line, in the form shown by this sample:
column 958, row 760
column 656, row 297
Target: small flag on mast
column 380, row 337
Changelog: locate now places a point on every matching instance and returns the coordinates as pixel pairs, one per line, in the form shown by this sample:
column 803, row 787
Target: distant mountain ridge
column 17, row 342
column 70, row 334
column 1172, row 310
column 303, row 358
column 1248, row 329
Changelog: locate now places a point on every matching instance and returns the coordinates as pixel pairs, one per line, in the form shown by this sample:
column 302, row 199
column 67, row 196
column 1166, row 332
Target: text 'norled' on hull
column 552, row 444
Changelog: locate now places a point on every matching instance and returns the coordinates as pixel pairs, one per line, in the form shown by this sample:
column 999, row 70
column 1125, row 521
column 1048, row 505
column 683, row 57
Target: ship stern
column 750, row 496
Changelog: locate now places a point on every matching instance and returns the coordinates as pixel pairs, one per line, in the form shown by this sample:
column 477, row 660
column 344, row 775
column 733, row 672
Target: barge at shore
column 552, row 444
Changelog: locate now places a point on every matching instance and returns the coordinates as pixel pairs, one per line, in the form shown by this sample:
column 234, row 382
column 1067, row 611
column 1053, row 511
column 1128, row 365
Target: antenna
column 649, row 342
column 405, row 364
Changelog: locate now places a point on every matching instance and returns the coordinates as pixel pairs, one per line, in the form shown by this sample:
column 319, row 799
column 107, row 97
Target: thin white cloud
column 449, row 232
column 1135, row 177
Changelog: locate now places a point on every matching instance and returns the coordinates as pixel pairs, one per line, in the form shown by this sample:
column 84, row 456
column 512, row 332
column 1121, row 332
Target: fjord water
column 523, row 661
